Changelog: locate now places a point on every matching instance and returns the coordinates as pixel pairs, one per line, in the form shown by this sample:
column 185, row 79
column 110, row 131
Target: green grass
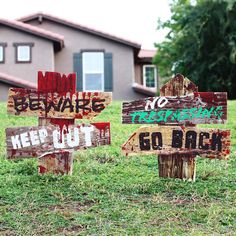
column 109, row 194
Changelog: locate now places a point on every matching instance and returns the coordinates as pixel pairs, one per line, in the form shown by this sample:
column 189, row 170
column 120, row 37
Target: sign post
column 176, row 139
column 57, row 105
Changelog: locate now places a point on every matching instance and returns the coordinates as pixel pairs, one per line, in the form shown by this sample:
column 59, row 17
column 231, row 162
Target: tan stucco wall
column 138, row 73
column 42, row 54
column 4, row 92
column 75, row 41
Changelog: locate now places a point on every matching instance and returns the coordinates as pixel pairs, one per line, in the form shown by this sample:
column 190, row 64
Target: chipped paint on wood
column 210, row 143
column 195, row 108
column 178, row 86
column 38, row 140
column 57, row 163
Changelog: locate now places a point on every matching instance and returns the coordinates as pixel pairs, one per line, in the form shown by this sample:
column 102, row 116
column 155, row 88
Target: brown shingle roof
column 57, row 39
column 15, row 81
column 40, row 16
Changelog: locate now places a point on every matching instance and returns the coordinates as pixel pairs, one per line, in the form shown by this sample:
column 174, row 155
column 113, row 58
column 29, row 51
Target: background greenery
column 201, row 44
column 109, row 194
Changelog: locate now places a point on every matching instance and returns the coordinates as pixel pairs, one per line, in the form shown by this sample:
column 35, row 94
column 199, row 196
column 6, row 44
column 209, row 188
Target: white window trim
column 2, row 60
column 155, row 75
column 93, row 72
column 30, row 45
column 19, row 59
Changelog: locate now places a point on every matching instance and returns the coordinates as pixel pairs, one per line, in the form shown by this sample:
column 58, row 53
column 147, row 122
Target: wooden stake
column 178, row 166
column 56, row 163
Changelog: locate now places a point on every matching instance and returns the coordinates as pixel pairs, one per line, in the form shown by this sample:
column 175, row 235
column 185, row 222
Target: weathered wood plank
column 211, row 143
column 178, row 86
column 69, row 105
column 195, row 108
column 43, row 140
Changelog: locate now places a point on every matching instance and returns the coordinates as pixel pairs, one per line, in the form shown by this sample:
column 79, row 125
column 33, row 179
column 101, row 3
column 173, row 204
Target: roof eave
column 58, row 44
column 40, row 17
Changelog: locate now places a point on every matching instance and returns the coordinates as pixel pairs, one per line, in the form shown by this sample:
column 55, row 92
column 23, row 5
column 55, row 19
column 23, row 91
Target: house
column 103, row 62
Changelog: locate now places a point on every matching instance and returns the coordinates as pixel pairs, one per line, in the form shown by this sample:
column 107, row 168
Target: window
column 149, row 76
column 2, row 52
column 93, row 71
column 98, row 69
column 23, row 52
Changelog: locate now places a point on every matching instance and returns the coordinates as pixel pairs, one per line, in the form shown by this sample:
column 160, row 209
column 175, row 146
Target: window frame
column 16, row 45
column 93, row 72
column 145, row 78
column 3, row 45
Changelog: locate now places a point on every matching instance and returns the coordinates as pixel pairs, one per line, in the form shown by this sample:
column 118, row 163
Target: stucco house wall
column 42, row 54
column 4, row 91
column 75, row 41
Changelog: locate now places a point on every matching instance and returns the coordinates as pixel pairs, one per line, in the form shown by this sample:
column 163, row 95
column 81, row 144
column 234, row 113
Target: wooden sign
column 211, row 143
column 69, row 105
column 195, row 108
column 41, row 140
column 177, row 141
column 57, row 105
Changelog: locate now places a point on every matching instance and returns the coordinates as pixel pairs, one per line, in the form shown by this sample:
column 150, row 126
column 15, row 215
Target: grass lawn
column 109, row 194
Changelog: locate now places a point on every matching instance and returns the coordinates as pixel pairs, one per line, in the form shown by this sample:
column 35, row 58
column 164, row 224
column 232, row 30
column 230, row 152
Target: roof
column 40, row 16
column 57, row 39
column 12, row 80
column 144, row 90
column 146, row 56
column 144, row 53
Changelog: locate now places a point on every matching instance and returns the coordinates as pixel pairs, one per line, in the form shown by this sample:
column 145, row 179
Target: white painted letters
column 15, row 141
column 43, row 133
column 25, row 139
column 58, row 139
column 159, row 101
column 75, row 141
column 87, row 131
column 34, row 137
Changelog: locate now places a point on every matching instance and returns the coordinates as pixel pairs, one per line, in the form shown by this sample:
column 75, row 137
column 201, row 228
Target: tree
column 201, row 44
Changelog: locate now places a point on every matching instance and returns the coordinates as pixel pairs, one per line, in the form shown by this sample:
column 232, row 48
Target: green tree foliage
column 201, row 44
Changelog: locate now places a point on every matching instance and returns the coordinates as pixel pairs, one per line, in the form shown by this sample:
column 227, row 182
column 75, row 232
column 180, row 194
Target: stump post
column 62, row 162
column 180, row 166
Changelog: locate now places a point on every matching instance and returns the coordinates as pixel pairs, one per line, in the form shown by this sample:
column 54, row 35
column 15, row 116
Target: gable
column 39, row 18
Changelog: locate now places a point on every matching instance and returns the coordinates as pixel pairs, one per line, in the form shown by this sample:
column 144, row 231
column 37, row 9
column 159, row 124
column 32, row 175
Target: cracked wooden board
column 210, row 143
column 68, row 105
column 195, row 108
column 44, row 140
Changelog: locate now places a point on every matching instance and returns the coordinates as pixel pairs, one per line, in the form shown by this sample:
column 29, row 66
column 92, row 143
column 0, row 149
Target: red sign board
column 39, row 140
column 195, row 108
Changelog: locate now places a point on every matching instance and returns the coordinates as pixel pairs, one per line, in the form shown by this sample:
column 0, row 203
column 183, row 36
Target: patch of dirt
column 105, row 159
column 7, row 233
column 71, row 230
column 72, row 206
